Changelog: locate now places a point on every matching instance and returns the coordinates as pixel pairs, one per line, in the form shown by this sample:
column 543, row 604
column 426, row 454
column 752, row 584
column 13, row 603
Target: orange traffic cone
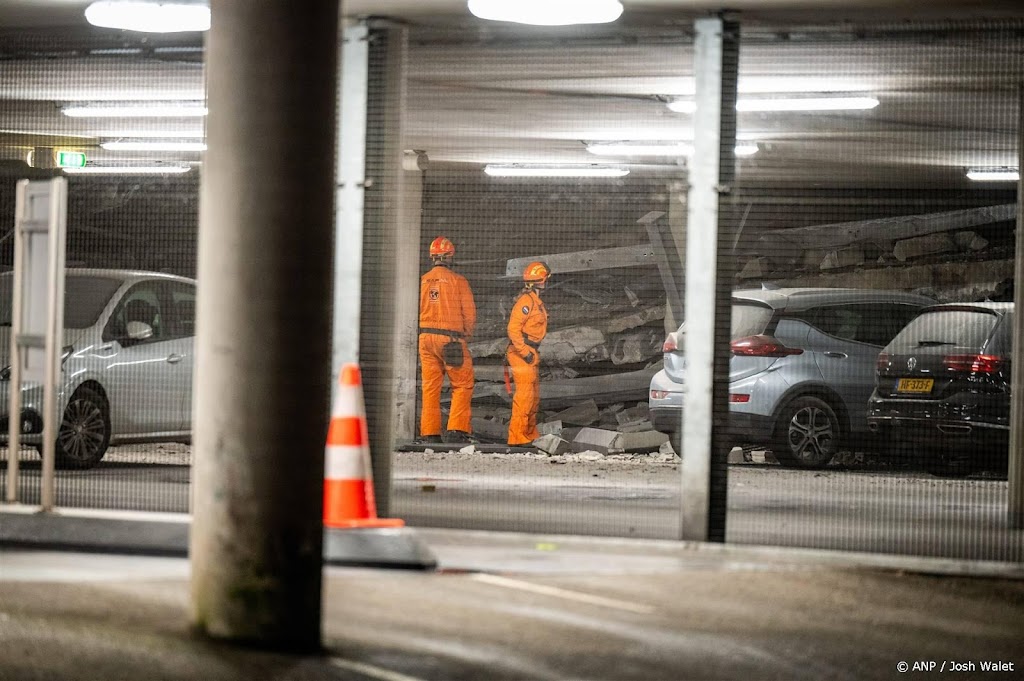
column 348, row 476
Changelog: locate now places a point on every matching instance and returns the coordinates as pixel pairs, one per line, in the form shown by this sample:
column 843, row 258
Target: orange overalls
column 447, row 312
column 527, row 326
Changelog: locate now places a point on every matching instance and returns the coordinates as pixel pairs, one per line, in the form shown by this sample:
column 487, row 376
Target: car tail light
column 671, row 343
column 659, row 394
column 761, row 346
column 975, row 364
column 883, row 362
column 739, row 398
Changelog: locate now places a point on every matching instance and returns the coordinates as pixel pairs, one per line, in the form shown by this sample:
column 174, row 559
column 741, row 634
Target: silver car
column 126, row 366
column 801, row 370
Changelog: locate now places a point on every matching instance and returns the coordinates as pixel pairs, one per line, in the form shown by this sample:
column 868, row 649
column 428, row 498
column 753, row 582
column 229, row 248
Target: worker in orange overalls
column 527, row 326
column 447, row 319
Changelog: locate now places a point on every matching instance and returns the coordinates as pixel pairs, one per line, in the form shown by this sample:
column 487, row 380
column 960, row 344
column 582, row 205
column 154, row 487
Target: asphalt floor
column 516, row 606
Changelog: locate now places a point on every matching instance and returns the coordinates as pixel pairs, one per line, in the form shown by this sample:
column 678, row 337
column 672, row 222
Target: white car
column 126, row 366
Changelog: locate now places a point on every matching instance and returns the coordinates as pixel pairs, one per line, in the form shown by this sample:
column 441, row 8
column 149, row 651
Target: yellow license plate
column 915, row 385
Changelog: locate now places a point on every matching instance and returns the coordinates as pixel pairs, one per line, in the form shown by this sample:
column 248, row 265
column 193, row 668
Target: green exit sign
column 69, row 159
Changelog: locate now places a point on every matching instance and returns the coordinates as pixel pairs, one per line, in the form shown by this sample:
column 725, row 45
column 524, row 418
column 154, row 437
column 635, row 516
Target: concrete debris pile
column 583, row 427
column 604, row 342
column 953, row 256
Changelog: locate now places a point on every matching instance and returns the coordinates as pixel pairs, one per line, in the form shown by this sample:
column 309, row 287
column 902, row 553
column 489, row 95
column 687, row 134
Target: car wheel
column 84, row 432
column 676, row 440
column 807, row 434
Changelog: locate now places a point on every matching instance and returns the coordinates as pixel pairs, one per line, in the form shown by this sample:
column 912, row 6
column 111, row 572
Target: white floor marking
column 371, row 671
column 563, row 593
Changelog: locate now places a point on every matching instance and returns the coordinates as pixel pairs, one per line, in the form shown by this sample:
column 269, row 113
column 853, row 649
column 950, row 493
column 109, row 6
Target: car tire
column 676, row 440
column 84, row 432
column 806, row 434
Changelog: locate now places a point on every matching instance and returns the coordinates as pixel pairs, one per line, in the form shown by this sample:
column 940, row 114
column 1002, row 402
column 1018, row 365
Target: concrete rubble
column 608, row 312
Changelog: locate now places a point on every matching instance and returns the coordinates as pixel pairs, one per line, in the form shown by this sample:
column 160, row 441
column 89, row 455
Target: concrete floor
column 508, row 606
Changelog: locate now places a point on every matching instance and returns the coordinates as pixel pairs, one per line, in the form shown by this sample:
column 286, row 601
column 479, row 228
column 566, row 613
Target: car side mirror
column 138, row 331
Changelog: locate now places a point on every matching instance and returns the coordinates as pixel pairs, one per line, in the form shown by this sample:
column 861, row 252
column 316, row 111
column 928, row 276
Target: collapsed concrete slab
column 884, row 231
column 552, row 445
column 645, row 441
column 605, row 389
column 489, row 429
column 923, row 245
column 641, row 412
column 597, row 440
column 550, row 428
column 582, row 414
column 581, row 338
column 846, row 257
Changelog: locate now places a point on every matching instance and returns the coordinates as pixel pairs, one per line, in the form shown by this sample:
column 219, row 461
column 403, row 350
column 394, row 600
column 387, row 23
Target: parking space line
column 563, row 593
column 371, row 671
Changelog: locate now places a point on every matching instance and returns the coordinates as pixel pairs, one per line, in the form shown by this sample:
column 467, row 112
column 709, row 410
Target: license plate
column 915, row 385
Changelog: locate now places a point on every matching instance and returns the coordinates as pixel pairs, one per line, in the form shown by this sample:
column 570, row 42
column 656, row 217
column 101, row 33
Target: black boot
column 459, row 436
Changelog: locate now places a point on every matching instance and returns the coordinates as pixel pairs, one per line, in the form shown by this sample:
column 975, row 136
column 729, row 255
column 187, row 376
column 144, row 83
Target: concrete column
column 349, row 201
column 263, row 364
column 709, row 283
column 677, row 227
column 1015, row 474
column 409, row 258
column 391, row 259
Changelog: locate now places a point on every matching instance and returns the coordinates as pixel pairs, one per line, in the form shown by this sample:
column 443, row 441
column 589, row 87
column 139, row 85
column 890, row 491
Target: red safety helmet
column 536, row 273
column 441, row 247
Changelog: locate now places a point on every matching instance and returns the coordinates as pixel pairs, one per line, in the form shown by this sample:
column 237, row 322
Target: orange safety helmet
column 442, row 247
column 536, row 273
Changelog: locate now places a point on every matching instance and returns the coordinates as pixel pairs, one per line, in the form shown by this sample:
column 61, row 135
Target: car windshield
column 749, row 319
column 84, row 299
column 959, row 328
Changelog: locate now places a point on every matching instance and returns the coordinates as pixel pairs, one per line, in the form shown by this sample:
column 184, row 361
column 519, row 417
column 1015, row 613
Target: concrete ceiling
column 482, row 93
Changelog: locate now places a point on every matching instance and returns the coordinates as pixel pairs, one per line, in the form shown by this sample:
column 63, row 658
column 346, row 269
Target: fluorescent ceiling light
column 771, row 85
column 128, row 170
column 547, row 12
column 515, row 170
column 652, row 149
column 994, row 174
column 788, row 104
column 154, row 145
column 136, row 111
column 149, row 17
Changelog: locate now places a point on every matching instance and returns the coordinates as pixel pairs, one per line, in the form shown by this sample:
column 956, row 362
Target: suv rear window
column 960, row 328
column 749, row 319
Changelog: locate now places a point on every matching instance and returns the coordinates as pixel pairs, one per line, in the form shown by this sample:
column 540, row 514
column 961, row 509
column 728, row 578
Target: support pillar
column 709, row 283
column 391, row 260
column 1015, row 472
column 263, row 360
column 677, row 227
column 350, row 192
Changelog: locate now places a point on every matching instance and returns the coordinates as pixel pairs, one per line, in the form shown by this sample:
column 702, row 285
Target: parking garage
column 860, row 147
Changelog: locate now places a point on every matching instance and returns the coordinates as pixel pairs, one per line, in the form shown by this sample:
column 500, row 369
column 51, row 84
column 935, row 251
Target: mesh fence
column 843, row 224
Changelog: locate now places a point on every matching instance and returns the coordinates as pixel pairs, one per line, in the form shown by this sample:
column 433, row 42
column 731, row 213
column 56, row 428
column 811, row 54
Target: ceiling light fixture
column 1001, row 174
column 547, row 12
column 129, row 170
column 149, row 17
column 136, row 111
column 788, row 104
column 518, row 170
column 154, row 145
column 656, row 149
